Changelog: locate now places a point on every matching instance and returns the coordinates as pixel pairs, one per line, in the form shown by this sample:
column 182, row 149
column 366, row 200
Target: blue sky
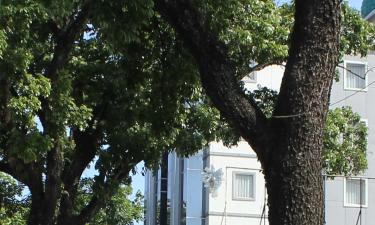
column 355, row 4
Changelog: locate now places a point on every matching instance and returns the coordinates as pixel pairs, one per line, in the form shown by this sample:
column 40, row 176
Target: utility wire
column 263, row 216
column 341, row 100
column 356, row 92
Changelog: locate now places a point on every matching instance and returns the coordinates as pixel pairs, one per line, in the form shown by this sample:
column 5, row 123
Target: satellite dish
column 212, row 179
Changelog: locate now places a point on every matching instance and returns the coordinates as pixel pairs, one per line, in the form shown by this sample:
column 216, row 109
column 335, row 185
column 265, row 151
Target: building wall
column 224, row 207
column 361, row 102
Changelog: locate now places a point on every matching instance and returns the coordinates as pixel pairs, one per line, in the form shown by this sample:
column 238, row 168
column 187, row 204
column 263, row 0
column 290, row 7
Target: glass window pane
column 243, row 187
column 355, row 191
column 355, row 75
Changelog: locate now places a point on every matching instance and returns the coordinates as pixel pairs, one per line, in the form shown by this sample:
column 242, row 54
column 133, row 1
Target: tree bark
column 289, row 144
column 293, row 175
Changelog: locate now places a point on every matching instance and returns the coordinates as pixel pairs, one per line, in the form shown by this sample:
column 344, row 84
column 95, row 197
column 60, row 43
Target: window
column 355, row 76
column 355, row 192
column 243, row 186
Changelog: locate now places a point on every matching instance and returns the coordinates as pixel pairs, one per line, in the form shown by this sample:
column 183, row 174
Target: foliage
column 265, row 98
column 345, row 142
column 119, row 210
column 117, row 86
column 13, row 206
column 237, row 21
column 357, row 35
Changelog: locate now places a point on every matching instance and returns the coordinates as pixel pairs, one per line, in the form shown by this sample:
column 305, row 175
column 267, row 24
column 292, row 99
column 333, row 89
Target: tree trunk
column 36, row 216
column 293, row 180
column 293, row 175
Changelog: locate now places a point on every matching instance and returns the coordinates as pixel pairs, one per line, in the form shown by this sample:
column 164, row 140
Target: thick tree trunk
column 36, row 216
column 293, row 180
column 293, row 175
column 288, row 145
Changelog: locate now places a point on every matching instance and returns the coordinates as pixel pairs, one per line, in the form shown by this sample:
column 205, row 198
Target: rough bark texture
column 290, row 143
column 293, row 175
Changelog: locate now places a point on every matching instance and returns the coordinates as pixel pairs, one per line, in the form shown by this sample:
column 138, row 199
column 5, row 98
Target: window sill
column 244, row 199
column 355, row 89
column 355, row 206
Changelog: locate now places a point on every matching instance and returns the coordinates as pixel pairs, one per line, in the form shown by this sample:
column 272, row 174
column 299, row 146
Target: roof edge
column 370, row 15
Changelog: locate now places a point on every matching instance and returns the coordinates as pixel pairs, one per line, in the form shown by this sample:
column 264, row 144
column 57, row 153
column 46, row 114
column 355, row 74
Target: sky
column 355, row 4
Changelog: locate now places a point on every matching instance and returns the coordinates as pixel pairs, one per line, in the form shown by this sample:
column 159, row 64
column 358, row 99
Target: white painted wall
column 223, row 207
column 270, row 77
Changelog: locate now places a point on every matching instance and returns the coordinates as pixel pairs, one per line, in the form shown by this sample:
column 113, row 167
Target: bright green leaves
column 254, row 30
column 357, row 35
column 121, row 21
column 345, row 143
column 29, row 147
column 19, row 21
column 120, row 209
column 3, row 43
column 25, row 140
column 27, row 102
column 13, row 209
column 66, row 112
column 258, row 31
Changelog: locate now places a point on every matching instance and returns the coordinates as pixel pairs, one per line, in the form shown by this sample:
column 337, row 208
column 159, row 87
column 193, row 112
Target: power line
column 289, row 116
column 356, row 92
column 332, row 104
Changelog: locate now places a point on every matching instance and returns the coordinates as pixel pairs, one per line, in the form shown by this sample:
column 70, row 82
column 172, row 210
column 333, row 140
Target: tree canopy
column 117, row 82
column 83, row 81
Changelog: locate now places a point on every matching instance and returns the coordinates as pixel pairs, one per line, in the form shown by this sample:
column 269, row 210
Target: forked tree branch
column 217, row 71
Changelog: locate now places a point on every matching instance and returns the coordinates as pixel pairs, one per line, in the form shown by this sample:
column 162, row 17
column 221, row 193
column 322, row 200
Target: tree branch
column 108, row 185
column 5, row 168
column 65, row 39
column 312, row 60
column 64, row 44
column 109, row 188
column 29, row 174
column 217, row 71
